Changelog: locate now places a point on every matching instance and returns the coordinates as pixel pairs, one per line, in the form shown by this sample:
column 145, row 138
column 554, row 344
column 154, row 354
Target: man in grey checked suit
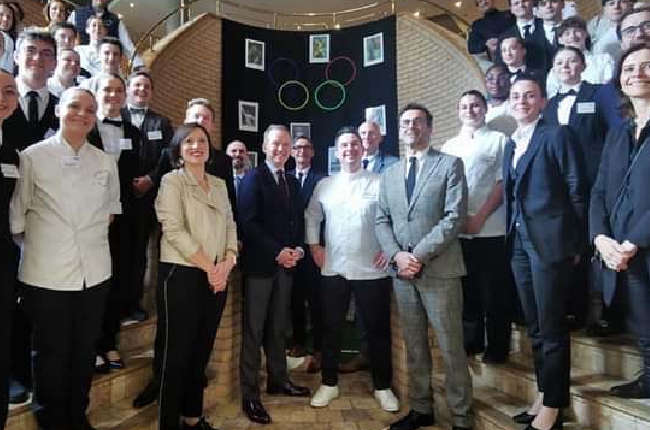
column 418, row 220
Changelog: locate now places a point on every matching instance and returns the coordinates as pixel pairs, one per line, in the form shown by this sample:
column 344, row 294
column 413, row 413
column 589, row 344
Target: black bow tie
column 114, row 122
column 568, row 93
column 137, row 111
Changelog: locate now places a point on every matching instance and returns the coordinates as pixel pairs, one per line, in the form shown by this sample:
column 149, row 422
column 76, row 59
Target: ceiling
column 140, row 15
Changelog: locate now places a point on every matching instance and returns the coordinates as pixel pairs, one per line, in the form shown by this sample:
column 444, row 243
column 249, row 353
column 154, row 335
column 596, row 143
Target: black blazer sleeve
column 598, row 216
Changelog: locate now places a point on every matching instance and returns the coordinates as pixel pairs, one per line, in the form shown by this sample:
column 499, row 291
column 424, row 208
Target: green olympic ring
column 334, row 84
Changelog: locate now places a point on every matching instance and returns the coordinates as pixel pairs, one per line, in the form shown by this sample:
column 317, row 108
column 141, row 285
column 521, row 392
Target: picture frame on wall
column 300, row 129
column 373, row 50
column 333, row 162
column 377, row 114
column 252, row 159
column 319, row 48
column 254, row 54
column 248, row 115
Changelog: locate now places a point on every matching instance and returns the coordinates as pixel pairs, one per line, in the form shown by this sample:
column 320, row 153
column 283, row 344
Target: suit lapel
column 533, row 147
column 431, row 160
column 550, row 113
column 585, row 94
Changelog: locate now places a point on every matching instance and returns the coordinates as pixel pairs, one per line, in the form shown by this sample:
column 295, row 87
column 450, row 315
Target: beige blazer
column 192, row 219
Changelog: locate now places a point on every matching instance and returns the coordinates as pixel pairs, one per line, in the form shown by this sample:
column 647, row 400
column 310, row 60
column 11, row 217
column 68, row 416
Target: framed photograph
column 333, row 162
column 252, row 159
column 248, row 114
column 300, row 129
column 254, row 54
column 373, row 50
column 319, row 48
column 377, row 114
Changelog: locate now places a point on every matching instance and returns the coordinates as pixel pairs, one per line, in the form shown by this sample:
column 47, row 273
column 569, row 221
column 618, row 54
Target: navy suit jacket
column 265, row 223
column 308, row 184
column 610, row 99
column 539, row 52
column 613, row 168
column 588, row 128
column 551, row 191
column 8, row 249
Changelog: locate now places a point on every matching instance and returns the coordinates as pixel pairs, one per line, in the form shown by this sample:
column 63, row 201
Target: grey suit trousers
column 440, row 302
column 266, row 306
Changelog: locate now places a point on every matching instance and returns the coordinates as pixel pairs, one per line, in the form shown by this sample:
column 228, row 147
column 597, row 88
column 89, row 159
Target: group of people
column 528, row 193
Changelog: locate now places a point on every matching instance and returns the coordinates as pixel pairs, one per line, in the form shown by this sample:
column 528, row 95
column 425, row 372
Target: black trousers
column 373, row 302
column 66, row 325
column 544, row 298
column 121, row 235
column 7, row 300
column 21, row 343
column 145, row 222
column 188, row 317
column 488, row 296
column 266, row 305
column 306, row 287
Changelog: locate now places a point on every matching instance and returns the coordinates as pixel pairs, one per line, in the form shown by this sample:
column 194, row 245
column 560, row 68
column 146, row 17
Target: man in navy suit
column 374, row 159
column 271, row 224
column 306, row 281
column 545, row 199
column 531, row 30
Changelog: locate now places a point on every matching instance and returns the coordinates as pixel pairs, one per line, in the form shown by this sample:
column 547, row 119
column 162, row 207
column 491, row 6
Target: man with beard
column 240, row 161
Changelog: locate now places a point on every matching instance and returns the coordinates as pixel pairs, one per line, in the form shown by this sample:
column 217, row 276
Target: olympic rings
column 334, row 84
column 349, row 60
column 300, row 84
column 279, row 60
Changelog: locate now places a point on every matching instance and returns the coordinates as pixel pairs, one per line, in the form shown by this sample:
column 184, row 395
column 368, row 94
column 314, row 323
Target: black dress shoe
column 557, row 425
column 460, row 428
column 255, row 411
column 84, row 425
column 494, row 359
column 413, row 420
column 602, row 328
column 288, row 389
column 523, row 418
column 147, row 396
column 103, row 367
column 638, row 389
column 201, row 425
column 19, row 398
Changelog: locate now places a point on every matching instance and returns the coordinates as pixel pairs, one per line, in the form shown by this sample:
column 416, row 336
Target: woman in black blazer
column 619, row 217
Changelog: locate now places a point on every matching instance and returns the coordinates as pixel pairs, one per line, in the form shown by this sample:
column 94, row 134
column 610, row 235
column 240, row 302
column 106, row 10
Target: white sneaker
column 387, row 400
column 324, row 395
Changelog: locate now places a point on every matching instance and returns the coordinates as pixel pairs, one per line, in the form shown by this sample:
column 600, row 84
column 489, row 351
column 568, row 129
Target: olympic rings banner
column 320, row 80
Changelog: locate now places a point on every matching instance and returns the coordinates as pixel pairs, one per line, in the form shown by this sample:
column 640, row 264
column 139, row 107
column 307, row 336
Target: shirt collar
column 513, row 70
column 565, row 88
column 417, row 154
column 60, row 140
column 272, row 168
column 101, row 117
column 466, row 133
column 304, row 171
column 354, row 175
column 131, row 107
column 524, row 131
column 23, row 89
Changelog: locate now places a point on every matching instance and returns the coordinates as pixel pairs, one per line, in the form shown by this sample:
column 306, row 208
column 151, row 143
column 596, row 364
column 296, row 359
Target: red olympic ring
column 349, row 60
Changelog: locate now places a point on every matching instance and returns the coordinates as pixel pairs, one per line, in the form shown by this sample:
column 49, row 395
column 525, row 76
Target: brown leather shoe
column 358, row 362
column 314, row 363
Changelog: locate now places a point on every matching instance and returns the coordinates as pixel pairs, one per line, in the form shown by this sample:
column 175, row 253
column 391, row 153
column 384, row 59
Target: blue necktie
column 365, row 164
column 300, row 176
column 410, row 179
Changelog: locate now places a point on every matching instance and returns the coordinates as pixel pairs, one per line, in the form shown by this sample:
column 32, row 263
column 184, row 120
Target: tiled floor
column 355, row 409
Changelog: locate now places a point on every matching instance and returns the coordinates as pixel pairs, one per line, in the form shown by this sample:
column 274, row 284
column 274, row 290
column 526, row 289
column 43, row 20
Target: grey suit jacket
column 383, row 162
column 430, row 223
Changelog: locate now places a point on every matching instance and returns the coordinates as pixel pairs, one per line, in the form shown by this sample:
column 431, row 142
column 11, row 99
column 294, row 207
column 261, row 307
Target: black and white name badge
column 10, row 171
column 125, row 144
column 70, row 161
column 154, row 135
column 586, row 108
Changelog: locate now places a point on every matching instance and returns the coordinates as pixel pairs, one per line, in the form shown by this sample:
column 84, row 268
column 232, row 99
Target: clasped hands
column 218, row 275
column 408, row 265
column 289, row 257
column 616, row 256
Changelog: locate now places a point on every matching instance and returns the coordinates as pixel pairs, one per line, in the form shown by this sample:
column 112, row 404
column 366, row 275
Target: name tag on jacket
column 586, row 108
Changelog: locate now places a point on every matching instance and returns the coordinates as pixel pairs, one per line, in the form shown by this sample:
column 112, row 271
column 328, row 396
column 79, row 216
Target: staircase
column 501, row 391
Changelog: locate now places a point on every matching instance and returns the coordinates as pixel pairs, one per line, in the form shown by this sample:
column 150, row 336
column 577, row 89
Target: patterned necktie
column 32, row 108
column 410, row 179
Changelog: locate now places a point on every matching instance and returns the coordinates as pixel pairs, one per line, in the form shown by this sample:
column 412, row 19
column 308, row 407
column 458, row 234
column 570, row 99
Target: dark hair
column 574, row 22
column 346, row 130
column 97, row 17
column 200, row 101
column 534, row 79
column 48, row 5
column 304, row 137
column 140, row 73
column 625, row 105
column 519, row 40
column 112, row 41
column 33, row 34
column 59, row 25
column 18, row 14
column 103, row 76
column 573, row 49
column 496, row 66
column 179, row 136
column 475, row 93
column 631, row 11
column 420, row 107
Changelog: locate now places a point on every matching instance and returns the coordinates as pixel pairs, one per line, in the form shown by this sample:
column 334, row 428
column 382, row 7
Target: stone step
column 493, row 409
column 107, row 391
column 591, row 403
column 615, row 356
column 138, row 336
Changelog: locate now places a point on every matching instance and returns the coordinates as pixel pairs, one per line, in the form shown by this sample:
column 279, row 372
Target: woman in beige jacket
column 198, row 250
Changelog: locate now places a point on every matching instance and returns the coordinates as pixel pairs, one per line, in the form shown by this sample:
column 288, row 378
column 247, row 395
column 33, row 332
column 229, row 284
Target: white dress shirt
column 522, row 137
column 549, row 32
column 522, row 24
column 371, row 161
column 137, row 118
column 482, row 155
column 7, row 57
column 112, row 137
column 418, row 162
column 125, row 40
column 348, row 201
column 43, row 98
column 62, row 204
column 55, row 86
column 599, row 69
column 89, row 58
column 304, row 172
column 566, row 104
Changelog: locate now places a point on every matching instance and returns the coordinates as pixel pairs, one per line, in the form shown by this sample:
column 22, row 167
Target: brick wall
column 33, row 13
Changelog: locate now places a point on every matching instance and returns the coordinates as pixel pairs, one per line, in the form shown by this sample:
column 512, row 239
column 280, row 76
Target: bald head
column 370, row 137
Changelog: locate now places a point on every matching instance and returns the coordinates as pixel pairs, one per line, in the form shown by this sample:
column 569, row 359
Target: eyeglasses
column 303, row 147
column 416, row 122
column 631, row 30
